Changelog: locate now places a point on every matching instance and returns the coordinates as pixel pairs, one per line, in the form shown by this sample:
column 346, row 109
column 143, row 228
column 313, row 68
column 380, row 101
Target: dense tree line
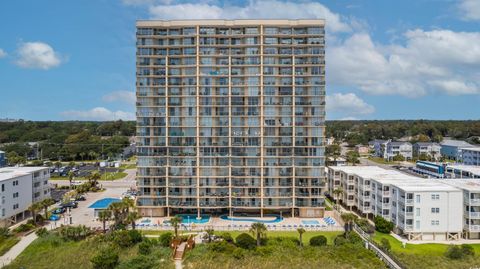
column 360, row 132
column 65, row 140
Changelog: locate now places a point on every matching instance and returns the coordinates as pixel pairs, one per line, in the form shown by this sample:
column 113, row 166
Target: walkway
column 24, row 242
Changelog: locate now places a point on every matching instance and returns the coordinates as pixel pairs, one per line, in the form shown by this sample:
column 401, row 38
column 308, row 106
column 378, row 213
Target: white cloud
column 470, row 10
column 349, row 104
column 37, row 55
column 2, row 53
column 254, row 9
column 419, row 67
column 98, row 114
column 120, row 96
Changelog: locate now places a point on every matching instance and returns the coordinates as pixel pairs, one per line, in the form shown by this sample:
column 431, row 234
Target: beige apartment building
column 231, row 117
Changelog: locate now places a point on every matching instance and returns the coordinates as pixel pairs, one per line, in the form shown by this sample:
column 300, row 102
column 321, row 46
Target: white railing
column 245, row 227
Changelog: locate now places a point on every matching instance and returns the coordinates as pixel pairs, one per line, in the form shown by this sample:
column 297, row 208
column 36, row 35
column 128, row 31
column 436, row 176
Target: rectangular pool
column 310, row 222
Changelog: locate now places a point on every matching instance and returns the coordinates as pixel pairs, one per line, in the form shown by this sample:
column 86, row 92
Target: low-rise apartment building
column 471, row 156
column 452, row 149
column 462, row 171
column 395, row 148
column 19, row 188
column 421, row 209
column 428, row 149
column 471, row 205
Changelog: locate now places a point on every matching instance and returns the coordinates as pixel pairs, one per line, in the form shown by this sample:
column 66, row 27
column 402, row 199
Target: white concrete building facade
column 471, row 156
column 19, row 188
column 429, row 149
column 421, row 209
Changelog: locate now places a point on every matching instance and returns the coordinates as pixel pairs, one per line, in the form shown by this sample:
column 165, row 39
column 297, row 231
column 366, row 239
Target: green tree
column 382, row 225
column 398, row 158
column 33, row 208
column 105, row 259
column 46, row 204
column 104, row 216
column 300, row 231
column 349, row 219
column 352, row 157
column 175, row 222
column 132, row 217
column 336, row 194
column 209, row 234
column 259, row 230
column 318, row 240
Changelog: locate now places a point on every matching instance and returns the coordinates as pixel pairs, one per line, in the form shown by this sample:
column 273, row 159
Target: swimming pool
column 310, row 222
column 277, row 219
column 104, row 203
column 192, row 218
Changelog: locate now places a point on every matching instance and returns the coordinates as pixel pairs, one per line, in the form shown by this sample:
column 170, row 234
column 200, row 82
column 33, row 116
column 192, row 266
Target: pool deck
column 228, row 225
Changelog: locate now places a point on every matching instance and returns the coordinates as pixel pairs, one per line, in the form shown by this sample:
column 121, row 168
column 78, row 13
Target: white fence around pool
column 164, row 227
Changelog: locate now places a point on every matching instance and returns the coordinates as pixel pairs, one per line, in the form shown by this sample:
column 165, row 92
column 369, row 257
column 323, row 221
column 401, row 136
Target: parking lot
column 82, row 215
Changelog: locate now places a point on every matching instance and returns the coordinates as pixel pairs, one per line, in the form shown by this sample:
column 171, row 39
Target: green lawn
column 427, row 255
column 128, row 166
column 52, row 252
column 305, row 238
column 7, row 243
column 284, row 254
column 113, row 175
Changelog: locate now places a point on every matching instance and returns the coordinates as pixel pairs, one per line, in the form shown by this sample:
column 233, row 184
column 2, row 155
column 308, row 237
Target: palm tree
column 33, row 210
column 209, row 234
column 259, row 230
column 47, row 203
column 71, row 175
column 175, row 221
column 348, row 218
column 104, row 216
column 129, row 203
column 336, row 193
column 118, row 212
column 93, row 178
column 301, row 231
column 132, row 216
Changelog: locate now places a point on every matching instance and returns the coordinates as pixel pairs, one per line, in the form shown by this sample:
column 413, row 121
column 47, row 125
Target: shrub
column 128, row 238
column 145, row 248
column 4, row 232
column 105, row 259
column 165, row 239
column 221, row 246
column 385, row 244
column 382, row 225
column 467, row 250
column 74, row 233
column 340, row 240
column 365, row 225
column 24, row 228
column 238, row 253
column 139, row 262
column 246, row 241
column 135, row 236
column 42, row 232
column 454, row 252
column 227, row 237
column 318, row 240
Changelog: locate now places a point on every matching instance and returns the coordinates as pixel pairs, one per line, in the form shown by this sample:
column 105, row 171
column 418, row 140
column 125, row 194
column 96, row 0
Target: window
column 417, row 198
column 435, row 196
column 417, row 212
column 435, row 210
column 3, row 212
column 15, row 195
column 3, row 187
column 15, row 206
column 417, row 224
column 435, row 222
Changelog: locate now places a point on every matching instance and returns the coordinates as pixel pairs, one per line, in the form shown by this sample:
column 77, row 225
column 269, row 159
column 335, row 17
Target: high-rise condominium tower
column 231, row 117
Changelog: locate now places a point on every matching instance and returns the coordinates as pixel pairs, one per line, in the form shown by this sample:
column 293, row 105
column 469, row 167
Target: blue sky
column 386, row 59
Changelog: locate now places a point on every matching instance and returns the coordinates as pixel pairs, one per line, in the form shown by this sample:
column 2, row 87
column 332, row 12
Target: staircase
column 179, row 251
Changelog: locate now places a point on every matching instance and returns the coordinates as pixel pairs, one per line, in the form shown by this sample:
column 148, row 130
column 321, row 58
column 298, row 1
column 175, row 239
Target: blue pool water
column 192, row 218
column 277, row 219
column 103, row 203
column 310, row 222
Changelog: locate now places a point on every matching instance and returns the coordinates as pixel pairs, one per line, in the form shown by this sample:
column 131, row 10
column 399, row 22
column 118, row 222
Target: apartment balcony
column 472, row 227
column 472, row 215
column 475, row 202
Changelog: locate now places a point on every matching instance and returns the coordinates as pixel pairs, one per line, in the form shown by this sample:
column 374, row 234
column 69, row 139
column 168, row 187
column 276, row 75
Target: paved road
column 82, row 215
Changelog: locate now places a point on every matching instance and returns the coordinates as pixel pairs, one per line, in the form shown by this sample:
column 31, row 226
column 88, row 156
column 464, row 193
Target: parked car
column 80, row 198
column 71, row 204
column 59, row 210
